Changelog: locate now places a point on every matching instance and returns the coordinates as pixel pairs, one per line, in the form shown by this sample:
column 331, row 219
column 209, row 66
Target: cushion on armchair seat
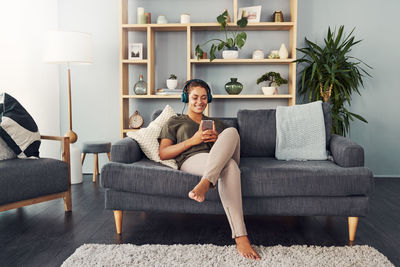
column 22, row 179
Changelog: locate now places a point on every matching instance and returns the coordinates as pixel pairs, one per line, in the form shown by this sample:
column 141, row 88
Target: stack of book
column 165, row 91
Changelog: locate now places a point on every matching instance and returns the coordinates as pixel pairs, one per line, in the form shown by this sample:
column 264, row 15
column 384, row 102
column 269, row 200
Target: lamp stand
column 71, row 134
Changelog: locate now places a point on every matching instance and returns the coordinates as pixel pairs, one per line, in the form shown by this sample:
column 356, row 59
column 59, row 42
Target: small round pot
column 269, row 90
column 172, row 84
column 230, row 53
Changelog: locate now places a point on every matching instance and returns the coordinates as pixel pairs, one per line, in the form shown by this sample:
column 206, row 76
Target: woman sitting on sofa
column 213, row 153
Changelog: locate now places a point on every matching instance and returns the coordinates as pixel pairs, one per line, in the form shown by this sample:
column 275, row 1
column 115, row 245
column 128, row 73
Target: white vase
column 230, row 54
column 76, row 164
column 283, row 52
column 172, row 84
column 269, row 90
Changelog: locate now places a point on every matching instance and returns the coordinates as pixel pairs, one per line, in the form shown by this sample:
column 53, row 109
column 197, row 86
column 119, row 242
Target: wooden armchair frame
column 66, row 195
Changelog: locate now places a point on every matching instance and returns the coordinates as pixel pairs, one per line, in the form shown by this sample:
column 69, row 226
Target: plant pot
column 233, row 87
column 270, row 90
column 172, row 84
column 230, row 53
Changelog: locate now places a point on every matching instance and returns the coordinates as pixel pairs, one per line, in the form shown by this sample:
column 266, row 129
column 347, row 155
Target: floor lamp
column 63, row 47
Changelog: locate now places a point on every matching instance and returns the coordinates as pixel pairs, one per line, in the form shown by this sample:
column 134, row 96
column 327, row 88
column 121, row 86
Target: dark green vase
column 233, row 87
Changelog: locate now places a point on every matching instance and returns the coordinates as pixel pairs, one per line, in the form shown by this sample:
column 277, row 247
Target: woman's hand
column 209, row 136
column 206, row 136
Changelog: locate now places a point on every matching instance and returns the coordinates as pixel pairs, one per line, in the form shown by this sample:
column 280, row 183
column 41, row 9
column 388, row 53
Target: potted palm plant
column 231, row 45
column 331, row 74
column 274, row 80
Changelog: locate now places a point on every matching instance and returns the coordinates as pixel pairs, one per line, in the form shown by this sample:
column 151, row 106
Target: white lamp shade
column 68, row 47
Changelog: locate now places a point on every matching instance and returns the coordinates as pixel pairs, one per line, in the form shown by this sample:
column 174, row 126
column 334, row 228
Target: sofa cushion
column 17, row 128
column 149, row 177
column 22, row 179
column 257, row 130
column 260, row 177
column 147, row 138
column 272, row 177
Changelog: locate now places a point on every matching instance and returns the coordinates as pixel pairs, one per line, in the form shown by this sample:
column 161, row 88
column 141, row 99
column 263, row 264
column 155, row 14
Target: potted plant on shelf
column 172, row 82
column 274, row 80
column 331, row 74
column 231, row 45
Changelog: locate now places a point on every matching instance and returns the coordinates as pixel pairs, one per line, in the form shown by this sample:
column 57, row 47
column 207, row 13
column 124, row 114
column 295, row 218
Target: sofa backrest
column 257, row 130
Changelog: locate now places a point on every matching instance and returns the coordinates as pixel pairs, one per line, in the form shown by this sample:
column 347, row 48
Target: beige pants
column 223, row 162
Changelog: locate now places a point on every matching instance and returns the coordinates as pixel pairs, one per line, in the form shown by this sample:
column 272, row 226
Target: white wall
column 23, row 74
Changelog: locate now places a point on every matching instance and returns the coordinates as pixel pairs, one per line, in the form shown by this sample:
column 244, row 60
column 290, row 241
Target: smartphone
column 207, row 125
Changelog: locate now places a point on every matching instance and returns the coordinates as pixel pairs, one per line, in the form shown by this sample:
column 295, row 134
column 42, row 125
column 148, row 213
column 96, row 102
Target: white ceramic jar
column 258, row 54
column 185, row 18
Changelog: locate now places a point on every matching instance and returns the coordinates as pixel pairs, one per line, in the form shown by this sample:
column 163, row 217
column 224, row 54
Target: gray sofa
column 338, row 187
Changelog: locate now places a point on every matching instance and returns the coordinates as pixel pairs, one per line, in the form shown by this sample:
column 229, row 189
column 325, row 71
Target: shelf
column 272, row 26
column 279, row 96
column 242, row 61
column 138, row 61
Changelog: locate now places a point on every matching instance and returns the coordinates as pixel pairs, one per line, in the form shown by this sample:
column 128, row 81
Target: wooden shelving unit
column 151, row 29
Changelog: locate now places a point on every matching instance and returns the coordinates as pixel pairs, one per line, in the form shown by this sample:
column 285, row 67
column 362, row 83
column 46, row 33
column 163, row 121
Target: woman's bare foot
column 199, row 191
column 245, row 249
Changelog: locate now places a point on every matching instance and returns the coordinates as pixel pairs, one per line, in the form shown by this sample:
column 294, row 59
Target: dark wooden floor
column 43, row 235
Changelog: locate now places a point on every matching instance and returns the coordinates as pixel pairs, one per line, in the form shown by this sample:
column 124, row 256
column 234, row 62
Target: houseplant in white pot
column 230, row 45
column 172, row 82
column 274, row 80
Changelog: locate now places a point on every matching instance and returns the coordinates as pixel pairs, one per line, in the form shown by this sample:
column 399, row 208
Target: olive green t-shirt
column 180, row 128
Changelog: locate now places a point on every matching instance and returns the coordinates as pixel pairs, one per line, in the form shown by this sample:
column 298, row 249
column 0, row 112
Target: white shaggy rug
column 211, row 255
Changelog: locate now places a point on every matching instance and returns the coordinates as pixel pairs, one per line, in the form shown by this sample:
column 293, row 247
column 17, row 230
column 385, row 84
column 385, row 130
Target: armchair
column 25, row 182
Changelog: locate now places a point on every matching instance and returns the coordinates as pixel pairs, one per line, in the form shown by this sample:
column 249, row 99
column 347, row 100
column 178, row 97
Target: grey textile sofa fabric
column 340, row 187
column 22, row 179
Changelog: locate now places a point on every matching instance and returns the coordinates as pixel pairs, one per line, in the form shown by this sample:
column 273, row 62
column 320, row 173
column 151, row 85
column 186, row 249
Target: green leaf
column 212, row 52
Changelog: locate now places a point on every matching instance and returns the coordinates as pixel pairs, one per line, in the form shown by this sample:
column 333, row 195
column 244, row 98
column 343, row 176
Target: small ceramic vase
column 140, row 87
column 283, row 52
column 233, row 87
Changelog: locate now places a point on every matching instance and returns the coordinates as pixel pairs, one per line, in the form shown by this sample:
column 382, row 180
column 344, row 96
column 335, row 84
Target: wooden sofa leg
column 68, row 201
column 118, row 220
column 353, row 221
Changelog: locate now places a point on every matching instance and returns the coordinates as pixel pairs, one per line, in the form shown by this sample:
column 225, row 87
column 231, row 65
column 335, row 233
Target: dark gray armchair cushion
column 22, row 179
column 345, row 152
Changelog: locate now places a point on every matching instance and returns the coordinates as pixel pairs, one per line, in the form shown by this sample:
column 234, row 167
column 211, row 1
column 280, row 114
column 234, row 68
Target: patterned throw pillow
column 147, row 138
column 17, row 128
column 5, row 151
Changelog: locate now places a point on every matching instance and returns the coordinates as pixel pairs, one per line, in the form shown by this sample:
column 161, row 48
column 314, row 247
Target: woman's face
column 197, row 99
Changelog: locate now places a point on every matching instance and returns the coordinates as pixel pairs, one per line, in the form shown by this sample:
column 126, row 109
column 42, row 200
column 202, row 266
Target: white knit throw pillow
column 147, row 138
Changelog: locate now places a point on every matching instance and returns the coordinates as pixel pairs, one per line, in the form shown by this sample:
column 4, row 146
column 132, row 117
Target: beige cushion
column 147, row 138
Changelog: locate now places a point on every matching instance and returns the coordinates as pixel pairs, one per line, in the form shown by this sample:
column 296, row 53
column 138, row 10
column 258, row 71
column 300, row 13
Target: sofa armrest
column 126, row 150
column 345, row 152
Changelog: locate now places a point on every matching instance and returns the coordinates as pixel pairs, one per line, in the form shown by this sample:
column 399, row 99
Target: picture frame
column 253, row 13
column 135, row 51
